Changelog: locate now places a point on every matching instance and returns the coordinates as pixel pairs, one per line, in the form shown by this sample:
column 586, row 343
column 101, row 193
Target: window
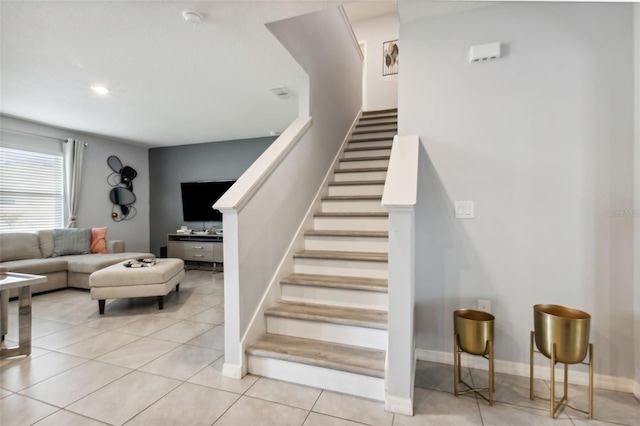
column 31, row 195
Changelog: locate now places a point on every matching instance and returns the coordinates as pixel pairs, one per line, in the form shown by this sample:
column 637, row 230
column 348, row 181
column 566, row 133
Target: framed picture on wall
column 390, row 57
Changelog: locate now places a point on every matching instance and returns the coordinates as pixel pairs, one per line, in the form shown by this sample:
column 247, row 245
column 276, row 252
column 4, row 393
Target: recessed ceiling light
column 100, row 90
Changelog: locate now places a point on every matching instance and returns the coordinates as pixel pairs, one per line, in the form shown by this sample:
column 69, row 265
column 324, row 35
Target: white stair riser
column 344, row 268
column 373, row 189
column 318, row 377
column 335, row 296
column 351, row 223
column 356, row 176
column 346, row 165
column 368, row 153
column 340, row 243
column 378, row 118
column 363, row 206
column 337, row 333
column 370, row 144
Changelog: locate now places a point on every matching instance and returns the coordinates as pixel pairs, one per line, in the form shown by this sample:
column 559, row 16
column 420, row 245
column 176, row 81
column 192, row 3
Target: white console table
column 196, row 248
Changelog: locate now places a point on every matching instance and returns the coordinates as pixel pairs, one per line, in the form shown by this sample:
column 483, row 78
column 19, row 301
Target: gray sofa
column 32, row 253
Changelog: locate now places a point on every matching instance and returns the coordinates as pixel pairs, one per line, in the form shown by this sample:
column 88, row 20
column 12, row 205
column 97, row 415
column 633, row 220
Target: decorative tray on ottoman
column 140, row 263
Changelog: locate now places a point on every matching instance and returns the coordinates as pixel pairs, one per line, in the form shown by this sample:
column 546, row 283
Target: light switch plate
column 464, row 210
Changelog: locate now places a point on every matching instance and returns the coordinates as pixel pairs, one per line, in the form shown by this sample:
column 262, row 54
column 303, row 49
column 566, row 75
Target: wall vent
column 282, row 92
column 484, row 52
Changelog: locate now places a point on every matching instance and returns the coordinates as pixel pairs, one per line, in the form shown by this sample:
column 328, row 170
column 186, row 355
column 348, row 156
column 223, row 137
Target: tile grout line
column 236, row 401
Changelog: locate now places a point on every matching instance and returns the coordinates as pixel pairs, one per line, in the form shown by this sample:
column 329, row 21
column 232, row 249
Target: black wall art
column 122, row 196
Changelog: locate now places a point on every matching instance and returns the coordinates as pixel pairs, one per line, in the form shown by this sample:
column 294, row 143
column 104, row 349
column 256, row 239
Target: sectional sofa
column 33, row 253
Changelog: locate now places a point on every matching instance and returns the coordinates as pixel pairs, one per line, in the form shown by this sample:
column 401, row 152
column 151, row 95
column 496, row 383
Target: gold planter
column 566, row 327
column 473, row 334
column 562, row 335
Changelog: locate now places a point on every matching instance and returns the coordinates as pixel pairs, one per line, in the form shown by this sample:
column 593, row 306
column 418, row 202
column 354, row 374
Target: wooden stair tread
column 361, row 169
column 372, row 139
column 374, row 114
column 340, row 233
column 367, row 132
column 367, row 148
column 352, row 359
column 351, row 197
column 337, row 281
column 377, row 157
column 368, row 318
column 356, row 182
column 380, row 111
column 342, row 255
column 351, row 214
column 386, row 123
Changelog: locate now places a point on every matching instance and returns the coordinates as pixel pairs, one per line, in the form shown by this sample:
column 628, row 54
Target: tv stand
column 196, row 248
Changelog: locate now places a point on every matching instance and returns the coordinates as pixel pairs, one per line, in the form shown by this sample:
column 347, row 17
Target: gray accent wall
column 168, row 167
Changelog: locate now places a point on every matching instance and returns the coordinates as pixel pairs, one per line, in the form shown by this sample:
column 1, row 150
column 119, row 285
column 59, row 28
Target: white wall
column 382, row 92
column 542, row 141
column 268, row 221
column 94, row 209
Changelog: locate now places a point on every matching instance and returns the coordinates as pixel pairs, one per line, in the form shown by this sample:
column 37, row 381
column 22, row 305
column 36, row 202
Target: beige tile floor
column 137, row 365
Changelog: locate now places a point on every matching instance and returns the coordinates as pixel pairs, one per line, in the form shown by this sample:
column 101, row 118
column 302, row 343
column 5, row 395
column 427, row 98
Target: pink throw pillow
column 98, row 240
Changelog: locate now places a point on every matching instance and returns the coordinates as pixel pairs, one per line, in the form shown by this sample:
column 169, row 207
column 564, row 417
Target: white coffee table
column 23, row 282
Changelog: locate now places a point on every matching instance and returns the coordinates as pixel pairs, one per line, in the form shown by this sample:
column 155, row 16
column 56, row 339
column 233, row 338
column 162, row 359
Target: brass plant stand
column 473, row 334
column 562, row 335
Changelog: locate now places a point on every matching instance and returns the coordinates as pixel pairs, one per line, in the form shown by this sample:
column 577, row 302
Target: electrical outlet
column 484, row 305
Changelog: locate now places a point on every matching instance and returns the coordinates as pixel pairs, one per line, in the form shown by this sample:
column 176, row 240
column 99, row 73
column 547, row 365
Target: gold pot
column 474, row 330
column 566, row 327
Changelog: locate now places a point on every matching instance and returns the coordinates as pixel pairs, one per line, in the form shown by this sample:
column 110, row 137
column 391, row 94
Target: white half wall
column 542, row 141
column 382, row 91
column 94, row 209
column 274, row 195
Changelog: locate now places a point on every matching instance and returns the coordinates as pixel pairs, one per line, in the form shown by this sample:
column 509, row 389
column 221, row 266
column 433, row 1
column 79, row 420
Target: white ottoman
column 117, row 281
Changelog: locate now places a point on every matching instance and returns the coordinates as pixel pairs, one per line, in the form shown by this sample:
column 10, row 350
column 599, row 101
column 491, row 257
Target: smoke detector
column 194, row 18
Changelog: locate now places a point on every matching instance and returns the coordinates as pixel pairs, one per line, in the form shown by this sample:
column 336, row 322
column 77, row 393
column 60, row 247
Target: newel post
column 399, row 197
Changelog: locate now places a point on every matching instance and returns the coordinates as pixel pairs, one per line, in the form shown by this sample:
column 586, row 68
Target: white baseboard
column 601, row 381
column 396, row 404
column 232, row 370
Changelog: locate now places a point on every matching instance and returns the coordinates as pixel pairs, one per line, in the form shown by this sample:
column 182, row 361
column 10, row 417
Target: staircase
column 330, row 328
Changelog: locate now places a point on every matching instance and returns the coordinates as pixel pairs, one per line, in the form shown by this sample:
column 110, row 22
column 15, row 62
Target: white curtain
column 72, row 153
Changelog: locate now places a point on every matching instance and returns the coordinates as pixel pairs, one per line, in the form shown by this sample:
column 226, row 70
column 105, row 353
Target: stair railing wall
column 399, row 197
column 263, row 211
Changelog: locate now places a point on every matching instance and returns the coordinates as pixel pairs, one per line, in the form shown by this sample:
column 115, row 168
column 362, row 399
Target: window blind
column 31, row 193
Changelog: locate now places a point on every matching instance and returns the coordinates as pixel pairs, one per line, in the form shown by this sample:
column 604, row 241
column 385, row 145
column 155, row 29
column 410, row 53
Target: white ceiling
column 172, row 83
column 366, row 9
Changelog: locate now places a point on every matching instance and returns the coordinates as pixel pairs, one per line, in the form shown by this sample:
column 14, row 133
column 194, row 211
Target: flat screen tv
column 199, row 197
